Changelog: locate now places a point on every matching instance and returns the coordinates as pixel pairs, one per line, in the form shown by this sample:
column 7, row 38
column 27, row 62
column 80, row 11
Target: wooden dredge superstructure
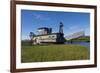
column 45, row 35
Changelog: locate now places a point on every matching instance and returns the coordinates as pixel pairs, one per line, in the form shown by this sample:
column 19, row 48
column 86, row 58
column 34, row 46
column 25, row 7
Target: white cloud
column 40, row 17
column 73, row 27
column 25, row 37
column 37, row 16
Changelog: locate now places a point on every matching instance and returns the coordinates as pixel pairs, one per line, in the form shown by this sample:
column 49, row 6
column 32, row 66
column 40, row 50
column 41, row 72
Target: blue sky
column 73, row 21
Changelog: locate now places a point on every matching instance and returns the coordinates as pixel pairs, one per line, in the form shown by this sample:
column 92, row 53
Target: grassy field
column 54, row 52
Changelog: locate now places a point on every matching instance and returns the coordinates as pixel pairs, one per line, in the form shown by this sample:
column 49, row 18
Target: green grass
column 54, row 52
